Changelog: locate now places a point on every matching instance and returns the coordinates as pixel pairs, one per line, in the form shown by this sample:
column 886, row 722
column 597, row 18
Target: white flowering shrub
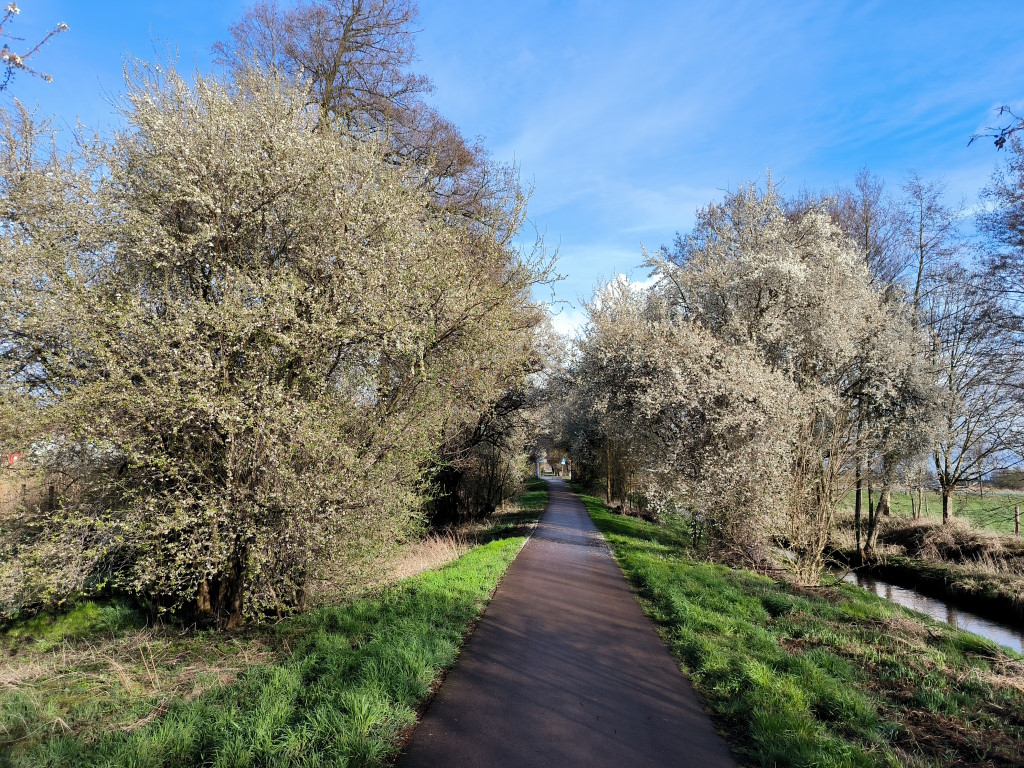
column 745, row 383
column 257, row 328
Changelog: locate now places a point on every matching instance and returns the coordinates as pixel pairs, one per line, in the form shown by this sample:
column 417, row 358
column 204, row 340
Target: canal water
column 998, row 632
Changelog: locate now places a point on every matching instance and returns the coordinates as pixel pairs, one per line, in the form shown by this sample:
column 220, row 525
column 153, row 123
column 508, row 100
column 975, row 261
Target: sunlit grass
column 822, row 677
column 992, row 511
column 335, row 687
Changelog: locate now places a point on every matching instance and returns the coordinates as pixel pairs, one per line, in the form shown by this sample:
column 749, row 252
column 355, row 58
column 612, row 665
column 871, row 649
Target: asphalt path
column 565, row 670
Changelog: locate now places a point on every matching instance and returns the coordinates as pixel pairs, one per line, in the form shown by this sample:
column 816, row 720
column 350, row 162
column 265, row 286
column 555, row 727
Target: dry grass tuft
column 1007, row 672
column 93, row 682
column 14, row 675
column 433, row 552
column 900, row 625
column 957, row 541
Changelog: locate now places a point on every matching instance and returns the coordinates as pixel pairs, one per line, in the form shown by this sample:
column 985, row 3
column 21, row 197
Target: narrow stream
column 1000, row 633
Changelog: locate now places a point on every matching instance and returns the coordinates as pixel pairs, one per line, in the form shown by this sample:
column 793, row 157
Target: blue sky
column 626, row 117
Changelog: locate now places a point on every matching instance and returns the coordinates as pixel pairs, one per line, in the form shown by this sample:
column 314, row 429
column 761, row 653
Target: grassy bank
column 335, row 687
column 958, row 561
column 822, row 677
column 993, row 511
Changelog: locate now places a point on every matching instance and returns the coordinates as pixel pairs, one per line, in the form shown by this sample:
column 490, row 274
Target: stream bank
column 993, row 596
column 957, row 616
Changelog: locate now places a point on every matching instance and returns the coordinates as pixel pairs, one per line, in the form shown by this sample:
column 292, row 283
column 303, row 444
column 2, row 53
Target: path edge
column 405, row 736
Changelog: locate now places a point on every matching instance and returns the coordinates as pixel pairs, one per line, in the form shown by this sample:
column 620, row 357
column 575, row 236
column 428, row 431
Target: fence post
column 1016, row 520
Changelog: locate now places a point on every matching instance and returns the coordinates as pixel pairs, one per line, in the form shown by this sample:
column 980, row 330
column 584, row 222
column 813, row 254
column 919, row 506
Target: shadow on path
column 565, row 670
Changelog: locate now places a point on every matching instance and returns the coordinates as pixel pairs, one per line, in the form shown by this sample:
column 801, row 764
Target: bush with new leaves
column 250, row 332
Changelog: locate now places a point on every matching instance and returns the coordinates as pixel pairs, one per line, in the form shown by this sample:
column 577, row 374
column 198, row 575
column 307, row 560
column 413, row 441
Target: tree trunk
column 608, row 472
column 869, row 538
column 221, row 598
column 203, row 605
column 885, row 501
column 945, row 504
column 232, row 593
column 857, row 504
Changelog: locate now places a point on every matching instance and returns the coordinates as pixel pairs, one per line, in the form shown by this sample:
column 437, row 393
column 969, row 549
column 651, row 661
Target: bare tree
column 932, row 231
column 978, row 376
column 1002, row 222
column 356, row 55
column 876, row 224
column 354, row 52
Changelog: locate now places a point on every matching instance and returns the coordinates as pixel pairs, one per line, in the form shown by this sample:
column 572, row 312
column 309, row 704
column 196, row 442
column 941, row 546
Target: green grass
column 821, row 677
column 520, row 518
column 335, row 687
column 993, row 511
column 45, row 632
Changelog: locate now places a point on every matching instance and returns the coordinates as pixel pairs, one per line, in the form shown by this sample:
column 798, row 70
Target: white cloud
column 639, row 286
column 568, row 321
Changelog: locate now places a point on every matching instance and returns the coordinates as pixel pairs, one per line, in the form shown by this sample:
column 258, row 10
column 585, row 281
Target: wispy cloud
column 630, row 117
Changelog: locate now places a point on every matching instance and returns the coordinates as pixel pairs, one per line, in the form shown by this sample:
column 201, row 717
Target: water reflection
column 940, row 610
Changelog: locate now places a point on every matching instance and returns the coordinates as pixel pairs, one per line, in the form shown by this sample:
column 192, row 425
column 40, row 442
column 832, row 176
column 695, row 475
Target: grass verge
column 335, row 687
column 992, row 511
column 822, row 677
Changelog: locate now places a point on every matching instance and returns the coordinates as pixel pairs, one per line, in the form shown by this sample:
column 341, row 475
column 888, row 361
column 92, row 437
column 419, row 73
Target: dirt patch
column 950, row 742
column 794, row 645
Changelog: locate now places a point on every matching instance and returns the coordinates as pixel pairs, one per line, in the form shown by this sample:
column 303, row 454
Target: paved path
column 565, row 670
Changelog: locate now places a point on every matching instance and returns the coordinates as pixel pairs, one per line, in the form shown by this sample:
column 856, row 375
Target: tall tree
column 932, row 232
column 876, row 224
column 978, row 376
column 1001, row 220
column 356, row 55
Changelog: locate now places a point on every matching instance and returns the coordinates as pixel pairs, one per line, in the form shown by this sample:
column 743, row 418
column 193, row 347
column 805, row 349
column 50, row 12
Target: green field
column 993, row 511
column 821, row 677
column 335, row 687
